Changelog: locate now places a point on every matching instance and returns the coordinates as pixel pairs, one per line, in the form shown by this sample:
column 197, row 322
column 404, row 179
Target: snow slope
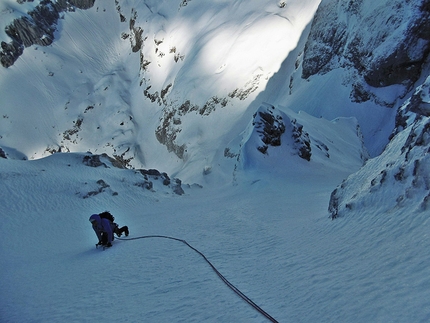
column 269, row 235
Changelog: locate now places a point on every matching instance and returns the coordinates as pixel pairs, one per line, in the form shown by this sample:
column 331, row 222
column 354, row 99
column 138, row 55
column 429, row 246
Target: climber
column 104, row 227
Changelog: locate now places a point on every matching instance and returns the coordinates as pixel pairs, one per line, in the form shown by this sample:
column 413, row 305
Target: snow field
column 269, row 235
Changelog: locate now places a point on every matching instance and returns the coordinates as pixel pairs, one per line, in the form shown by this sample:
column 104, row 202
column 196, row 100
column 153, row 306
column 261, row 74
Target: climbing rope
column 230, row 285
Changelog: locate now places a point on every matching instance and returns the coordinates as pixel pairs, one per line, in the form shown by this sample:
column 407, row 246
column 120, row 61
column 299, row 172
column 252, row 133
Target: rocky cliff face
column 36, row 28
column 383, row 59
column 385, row 42
column 399, row 178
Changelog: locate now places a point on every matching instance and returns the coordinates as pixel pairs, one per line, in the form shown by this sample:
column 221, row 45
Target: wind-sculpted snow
column 269, row 235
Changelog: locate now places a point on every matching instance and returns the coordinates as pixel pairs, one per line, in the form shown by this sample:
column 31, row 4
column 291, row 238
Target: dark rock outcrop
column 2, row 154
column 36, row 28
column 150, row 176
column 302, row 141
column 417, row 107
column 270, row 126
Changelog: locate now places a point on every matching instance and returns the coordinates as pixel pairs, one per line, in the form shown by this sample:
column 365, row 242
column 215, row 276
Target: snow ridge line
column 230, row 285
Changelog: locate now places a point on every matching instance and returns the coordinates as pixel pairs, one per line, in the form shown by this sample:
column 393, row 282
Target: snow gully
column 230, row 285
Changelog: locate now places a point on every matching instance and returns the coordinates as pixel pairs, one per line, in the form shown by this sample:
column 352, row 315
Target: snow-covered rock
column 400, row 177
column 395, row 181
column 36, row 27
column 278, row 138
column 385, row 42
column 150, row 176
column 270, row 126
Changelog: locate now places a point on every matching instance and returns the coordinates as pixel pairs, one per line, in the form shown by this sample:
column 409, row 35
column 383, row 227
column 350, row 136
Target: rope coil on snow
column 230, row 285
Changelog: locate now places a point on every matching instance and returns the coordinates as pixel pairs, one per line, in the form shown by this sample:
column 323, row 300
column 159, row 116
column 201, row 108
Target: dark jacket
column 102, row 225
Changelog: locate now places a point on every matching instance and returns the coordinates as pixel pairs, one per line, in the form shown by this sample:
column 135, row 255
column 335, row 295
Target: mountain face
column 206, row 91
column 384, row 53
column 148, row 82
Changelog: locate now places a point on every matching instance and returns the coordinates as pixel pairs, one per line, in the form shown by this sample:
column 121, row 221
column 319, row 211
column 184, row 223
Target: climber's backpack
column 107, row 215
